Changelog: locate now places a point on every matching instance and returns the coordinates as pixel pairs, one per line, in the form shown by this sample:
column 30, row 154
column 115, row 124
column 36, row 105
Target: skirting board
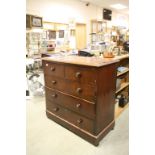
column 93, row 139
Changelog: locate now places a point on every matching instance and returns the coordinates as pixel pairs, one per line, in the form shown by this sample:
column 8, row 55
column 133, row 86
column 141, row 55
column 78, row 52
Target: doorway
column 80, row 36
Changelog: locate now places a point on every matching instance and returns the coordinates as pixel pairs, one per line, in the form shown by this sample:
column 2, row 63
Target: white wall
column 64, row 10
column 61, row 10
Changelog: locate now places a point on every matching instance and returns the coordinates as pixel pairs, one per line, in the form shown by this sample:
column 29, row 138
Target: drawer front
column 53, row 69
column 80, row 74
column 55, row 82
column 79, row 106
column 74, row 88
column 71, row 117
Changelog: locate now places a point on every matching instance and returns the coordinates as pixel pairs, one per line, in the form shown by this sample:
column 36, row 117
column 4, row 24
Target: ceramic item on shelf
column 108, row 55
column 118, row 83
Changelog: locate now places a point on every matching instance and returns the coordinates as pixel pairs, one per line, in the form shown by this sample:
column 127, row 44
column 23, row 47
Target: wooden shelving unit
column 122, row 73
column 123, row 86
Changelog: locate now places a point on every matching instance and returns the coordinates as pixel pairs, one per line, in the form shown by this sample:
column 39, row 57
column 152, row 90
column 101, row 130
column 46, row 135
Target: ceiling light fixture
column 118, row 6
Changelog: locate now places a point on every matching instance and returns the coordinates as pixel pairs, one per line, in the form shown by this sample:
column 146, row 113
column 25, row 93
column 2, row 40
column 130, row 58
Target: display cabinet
column 98, row 28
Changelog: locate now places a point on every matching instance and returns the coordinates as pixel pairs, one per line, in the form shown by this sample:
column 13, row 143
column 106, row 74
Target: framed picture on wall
column 52, row 34
column 36, row 21
column 61, row 33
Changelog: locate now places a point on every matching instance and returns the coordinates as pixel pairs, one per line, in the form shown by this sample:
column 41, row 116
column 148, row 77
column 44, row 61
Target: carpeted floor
column 45, row 137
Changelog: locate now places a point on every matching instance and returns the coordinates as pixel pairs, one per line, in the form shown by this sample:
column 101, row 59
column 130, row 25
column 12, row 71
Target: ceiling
column 107, row 3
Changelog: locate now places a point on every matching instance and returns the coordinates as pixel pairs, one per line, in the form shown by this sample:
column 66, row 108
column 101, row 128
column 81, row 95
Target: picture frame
column 28, row 21
column 61, row 33
column 36, row 21
column 51, row 34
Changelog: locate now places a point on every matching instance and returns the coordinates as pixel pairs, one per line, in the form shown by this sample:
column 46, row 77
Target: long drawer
column 81, row 90
column 72, row 103
column 71, row 117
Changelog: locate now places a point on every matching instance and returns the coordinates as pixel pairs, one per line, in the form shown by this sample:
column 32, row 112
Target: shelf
column 123, row 86
column 119, row 110
column 121, row 73
column 94, row 33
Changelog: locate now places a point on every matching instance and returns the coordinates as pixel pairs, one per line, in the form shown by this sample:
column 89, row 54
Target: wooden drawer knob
column 54, row 82
column 78, row 105
column 46, row 64
column 52, row 68
column 54, row 95
column 55, row 109
column 79, row 121
column 78, row 74
column 79, row 90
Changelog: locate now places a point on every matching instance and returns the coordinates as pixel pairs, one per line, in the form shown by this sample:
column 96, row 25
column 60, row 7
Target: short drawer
column 71, row 117
column 85, row 91
column 82, row 107
column 55, row 82
column 80, row 74
column 53, row 69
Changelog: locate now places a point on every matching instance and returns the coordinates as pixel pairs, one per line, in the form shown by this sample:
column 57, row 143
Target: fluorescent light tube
column 118, row 6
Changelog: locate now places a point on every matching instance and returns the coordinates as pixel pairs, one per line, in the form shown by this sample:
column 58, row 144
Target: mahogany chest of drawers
column 81, row 97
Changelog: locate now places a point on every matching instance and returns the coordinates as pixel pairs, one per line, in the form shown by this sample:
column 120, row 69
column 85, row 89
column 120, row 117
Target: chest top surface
column 79, row 60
